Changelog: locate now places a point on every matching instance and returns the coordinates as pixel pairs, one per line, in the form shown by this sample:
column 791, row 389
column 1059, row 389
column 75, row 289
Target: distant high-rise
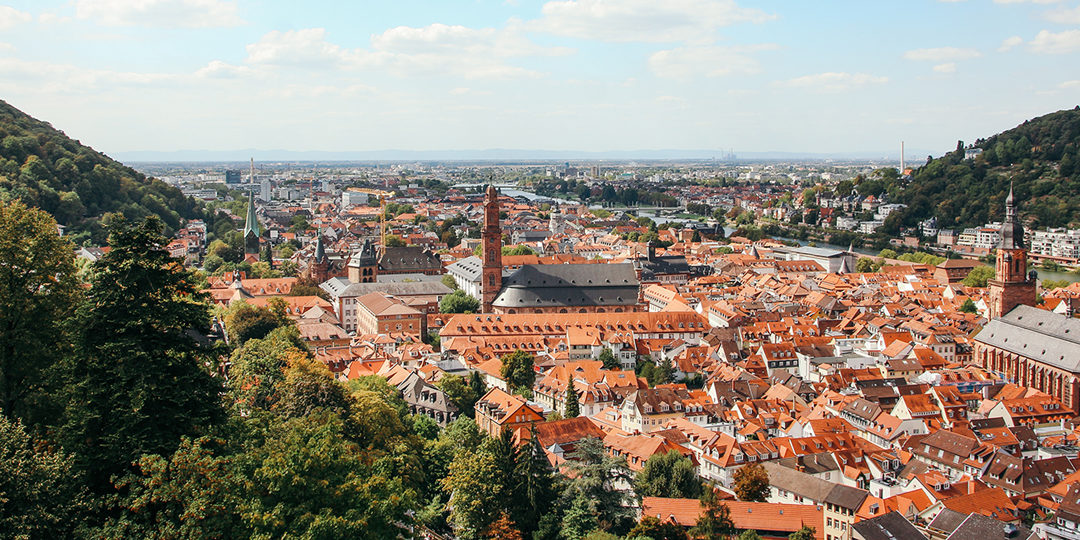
column 233, row 176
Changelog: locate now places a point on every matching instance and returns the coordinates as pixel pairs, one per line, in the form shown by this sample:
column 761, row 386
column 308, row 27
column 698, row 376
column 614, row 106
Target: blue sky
column 594, row 75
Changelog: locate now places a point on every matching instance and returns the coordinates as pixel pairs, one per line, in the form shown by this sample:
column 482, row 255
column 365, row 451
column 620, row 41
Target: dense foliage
column 46, row 169
column 1040, row 157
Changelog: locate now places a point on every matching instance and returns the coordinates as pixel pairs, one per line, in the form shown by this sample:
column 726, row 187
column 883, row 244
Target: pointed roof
column 1012, row 232
column 320, row 249
column 251, row 224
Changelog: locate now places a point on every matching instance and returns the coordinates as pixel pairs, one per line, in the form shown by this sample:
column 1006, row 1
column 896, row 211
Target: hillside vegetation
column 45, row 168
column 1041, row 157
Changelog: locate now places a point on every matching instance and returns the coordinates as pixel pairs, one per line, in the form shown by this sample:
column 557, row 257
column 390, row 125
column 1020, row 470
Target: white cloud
column 1069, row 84
column 709, row 61
column 1064, row 16
column 161, row 13
column 834, row 81
column 1010, row 42
column 942, row 54
column 1026, row 1
column 1047, row 42
column 46, row 77
column 298, row 48
column 11, row 17
column 643, row 20
column 222, row 70
column 948, row 67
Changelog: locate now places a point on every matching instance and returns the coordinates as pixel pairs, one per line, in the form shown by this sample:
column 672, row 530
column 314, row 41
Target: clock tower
column 1012, row 285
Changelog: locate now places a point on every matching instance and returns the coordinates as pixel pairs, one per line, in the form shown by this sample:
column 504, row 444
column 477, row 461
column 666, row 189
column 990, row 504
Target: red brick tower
column 491, row 238
column 1012, row 286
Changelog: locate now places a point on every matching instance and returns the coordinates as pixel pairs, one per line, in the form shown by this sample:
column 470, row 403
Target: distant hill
column 1041, row 157
column 77, row 185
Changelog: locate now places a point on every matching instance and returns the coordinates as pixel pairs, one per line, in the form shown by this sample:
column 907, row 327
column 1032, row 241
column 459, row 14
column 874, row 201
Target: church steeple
column 1012, row 232
column 252, row 231
column 1012, row 285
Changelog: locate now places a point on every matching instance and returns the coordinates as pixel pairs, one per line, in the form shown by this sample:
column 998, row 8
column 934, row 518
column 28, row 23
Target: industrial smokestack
column 901, row 157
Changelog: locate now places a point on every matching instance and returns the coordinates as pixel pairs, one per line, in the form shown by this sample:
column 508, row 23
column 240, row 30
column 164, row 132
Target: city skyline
column 577, row 75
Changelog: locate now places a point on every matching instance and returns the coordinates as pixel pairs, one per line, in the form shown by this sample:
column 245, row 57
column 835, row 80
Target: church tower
column 252, row 231
column 1012, row 286
column 491, row 246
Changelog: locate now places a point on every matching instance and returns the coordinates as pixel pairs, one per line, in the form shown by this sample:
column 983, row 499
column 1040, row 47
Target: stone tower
column 491, row 246
column 1012, row 286
column 364, row 265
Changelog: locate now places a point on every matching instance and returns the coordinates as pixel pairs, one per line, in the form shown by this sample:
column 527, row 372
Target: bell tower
column 491, row 246
column 1012, row 285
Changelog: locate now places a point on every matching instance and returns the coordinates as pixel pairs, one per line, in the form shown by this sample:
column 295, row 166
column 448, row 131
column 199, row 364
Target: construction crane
column 382, row 195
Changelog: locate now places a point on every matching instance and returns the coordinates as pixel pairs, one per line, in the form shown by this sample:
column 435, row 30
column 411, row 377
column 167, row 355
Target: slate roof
column 340, row 286
column 408, row 258
column 545, row 285
column 668, row 264
column 887, row 527
column 1037, row 334
column 469, row 267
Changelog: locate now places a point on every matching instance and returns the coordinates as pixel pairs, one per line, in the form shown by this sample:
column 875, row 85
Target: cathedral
column 1030, row 346
column 546, row 288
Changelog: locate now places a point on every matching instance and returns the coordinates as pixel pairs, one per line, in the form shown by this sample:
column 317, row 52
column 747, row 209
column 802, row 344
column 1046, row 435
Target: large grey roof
column 340, row 286
column 1037, row 334
column 667, row 264
column 471, row 267
column 542, row 285
column 414, row 258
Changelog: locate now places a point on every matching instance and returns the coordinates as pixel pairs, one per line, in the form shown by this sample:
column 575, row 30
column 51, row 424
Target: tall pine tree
column 138, row 380
column 573, row 408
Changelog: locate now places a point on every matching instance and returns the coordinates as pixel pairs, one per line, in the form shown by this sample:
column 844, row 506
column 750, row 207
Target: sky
column 585, row 75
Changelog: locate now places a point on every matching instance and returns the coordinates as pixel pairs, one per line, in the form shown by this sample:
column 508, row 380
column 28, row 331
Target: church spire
column 1012, row 232
column 252, row 231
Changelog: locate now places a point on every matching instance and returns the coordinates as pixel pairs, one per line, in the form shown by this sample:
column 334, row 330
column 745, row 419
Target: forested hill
column 77, row 185
column 1041, row 157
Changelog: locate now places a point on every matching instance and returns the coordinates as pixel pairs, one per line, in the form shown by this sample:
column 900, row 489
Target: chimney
column 651, row 256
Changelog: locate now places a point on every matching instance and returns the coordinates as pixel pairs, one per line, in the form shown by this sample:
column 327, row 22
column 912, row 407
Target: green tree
column 534, row 493
column 474, row 485
column 969, row 307
column 652, row 527
column 749, row 535
column 1051, row 284
column 866, row 265
column 979, row 276
column 752, row 483
column 244, row 321
column 458, row 302
column 517, row 370
column 41, row 494
column 137, row 381
column 38, row 287
column 669, row 474
column 258, row 366
column 460, row 393
column 193, row 493
column 609, row 360
column 307, row 478
column 805, row 533
column 450, row 282
column 518, row 250
column 714, row 523
column 888, row 254
column 573, row 407
column 591, row 489
column 580, row 518
column 393, row 240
